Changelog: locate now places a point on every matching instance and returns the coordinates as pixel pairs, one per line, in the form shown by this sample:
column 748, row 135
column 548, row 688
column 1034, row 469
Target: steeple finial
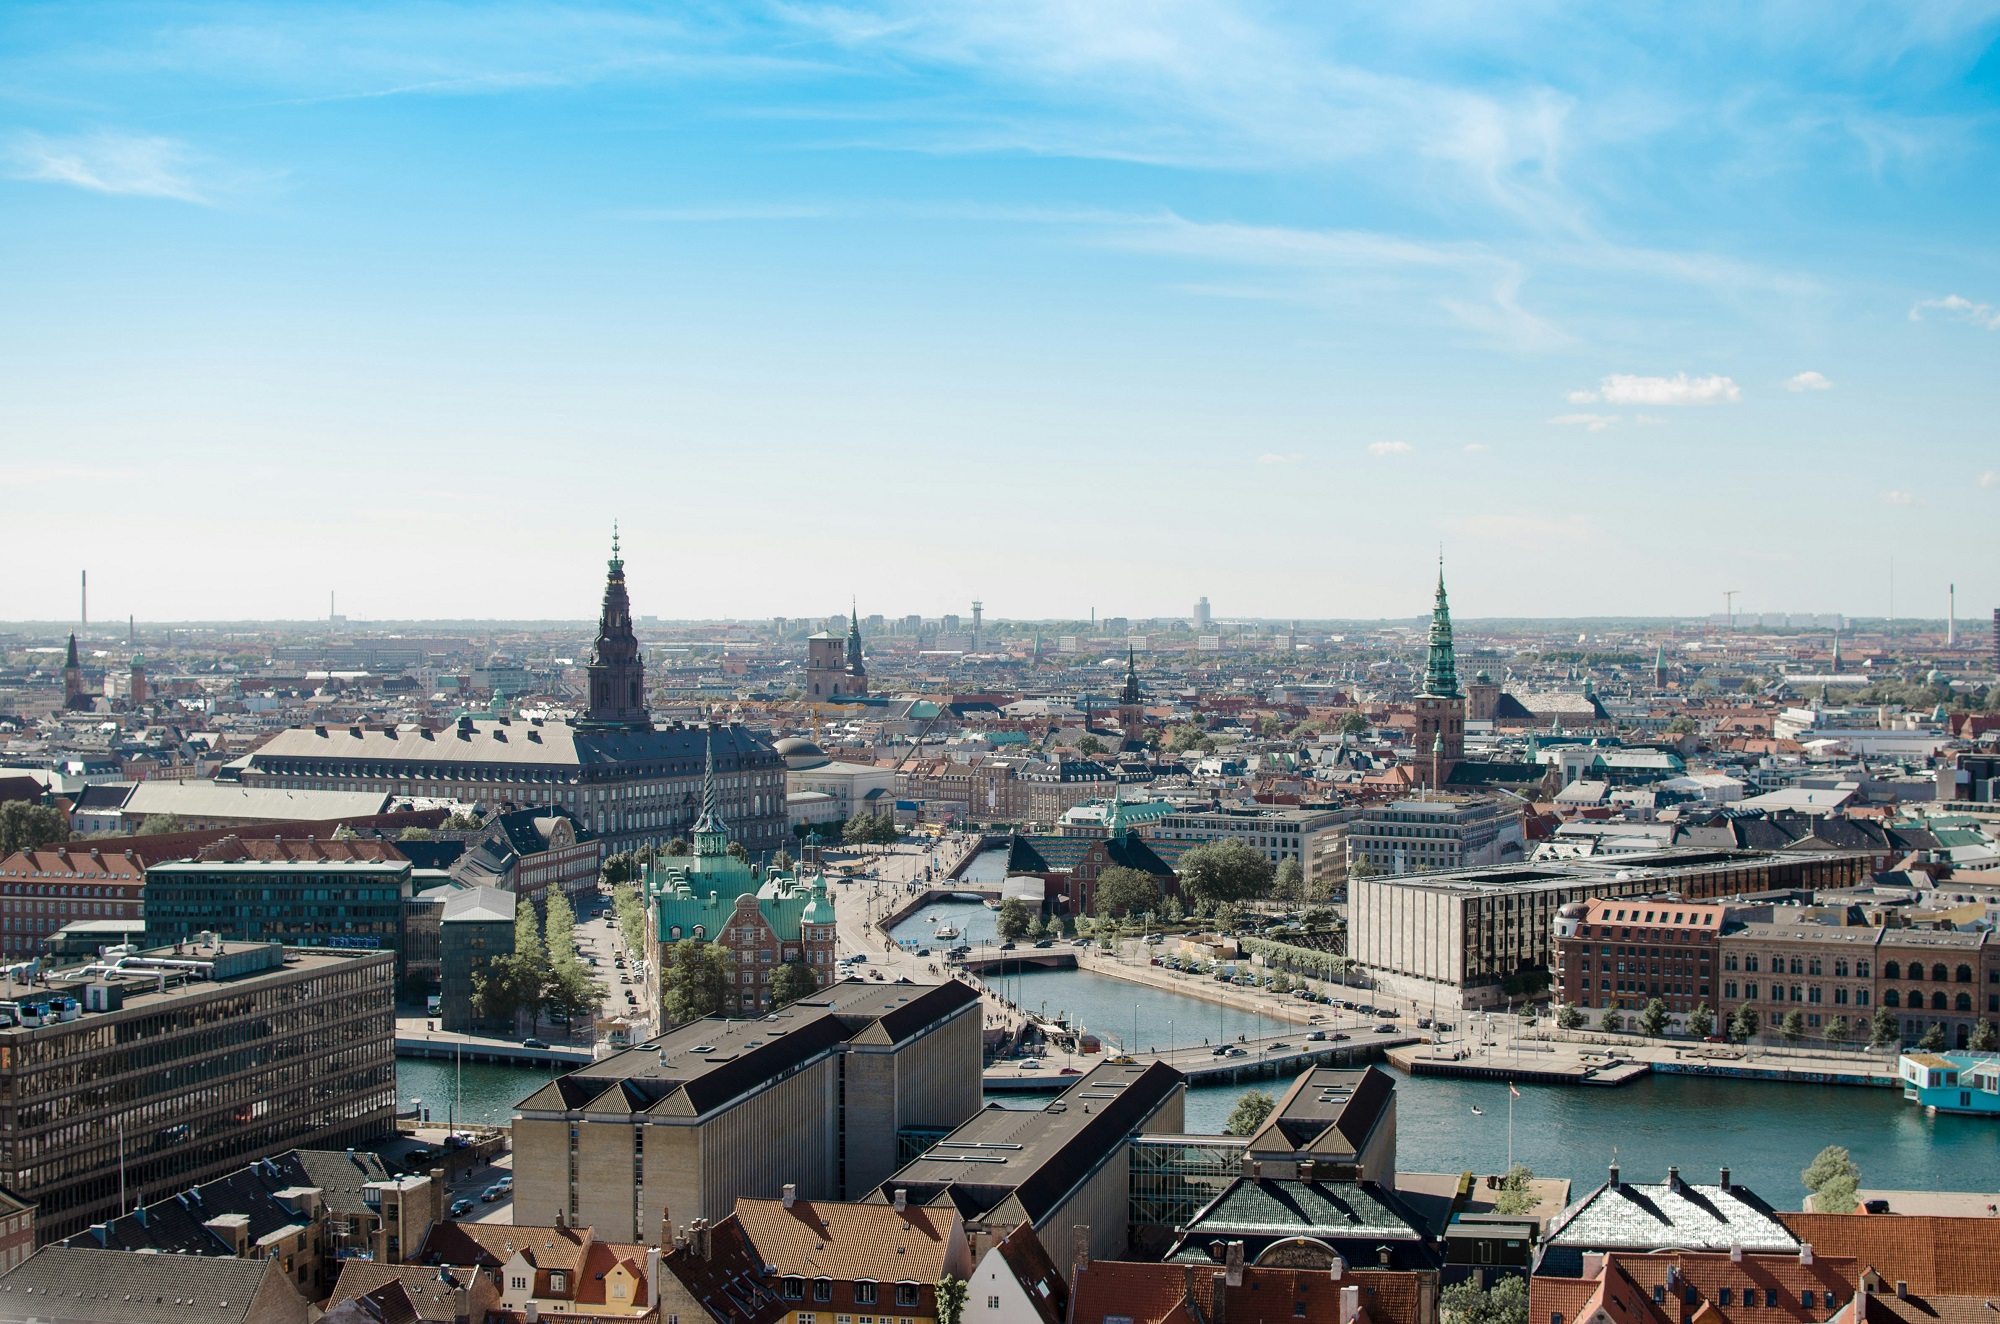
column 710, row 836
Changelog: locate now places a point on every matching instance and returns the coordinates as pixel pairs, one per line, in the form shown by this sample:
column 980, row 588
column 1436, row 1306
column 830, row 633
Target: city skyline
column 1628, row 309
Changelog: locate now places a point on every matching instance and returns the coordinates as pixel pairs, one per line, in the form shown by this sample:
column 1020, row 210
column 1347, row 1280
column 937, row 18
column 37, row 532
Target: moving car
column 533, row 1043
column 461, row 1207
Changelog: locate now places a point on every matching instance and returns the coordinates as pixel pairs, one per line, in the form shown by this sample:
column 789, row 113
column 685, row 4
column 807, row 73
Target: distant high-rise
column 977, row 609
column 1201, row 613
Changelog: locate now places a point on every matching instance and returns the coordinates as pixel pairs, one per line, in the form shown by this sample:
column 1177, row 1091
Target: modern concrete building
column 348, row 894
column 1473, row 937
column 1277, row 832
column 827, row 1096
column 199, row 1060
column 1064, row 1169
column 1421, row 836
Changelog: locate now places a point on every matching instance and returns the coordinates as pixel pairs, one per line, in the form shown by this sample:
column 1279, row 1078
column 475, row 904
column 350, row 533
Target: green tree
column 1108, row 933
column 508, row 986
column 345, row 833
column 1288, row 882
column 1985, row 1038
column 1225, row 871
column 1743, row 1025
column 1832, row 1177
column 677, row 846
column 1056, row 929
column 1126, row 891
column 160, row 825
column 698, row 980
column 1752, row 685
column 631, row 913
column 1036, row 929
column 1352, row 724
column 1793, row 1027
column 1506, row 1302
column 1517, row 1196
column 1611, row 1022
column 738, row 851
column 792, row 981
column 27, row 826
column 1682, row 726
column 1701, row 1021
column 559, row 928
column 619, row 868
column 570, row 992
column 1933, row 1040
column 1837, row 1030
column 782, row 862
column 1090, row 746
column 1012, row 921
column 1569, row 1016
column 949, row 1293
column 1882, row 1028
column 1653, row 1020
column 461, row 822
column 414, row 833
column 1249, row 1113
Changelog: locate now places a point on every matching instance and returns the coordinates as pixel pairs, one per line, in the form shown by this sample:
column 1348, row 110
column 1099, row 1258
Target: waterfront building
column 816, row 1262
column 1313, row 837
column 1641, row 1218
column 711, row 896
column 41, row 891
column 1732, row 1285
column 1951, row 1082
column 309, row 1209
column 475, row 928
column 64, row 1285
column 201, row 1059
column 824, row 1094
column 1043, row 792
column 630, row 782
column 1472, row 937
column 1421, row 836
column 1064, row 1169
column 349, row 894
column 1623, row 952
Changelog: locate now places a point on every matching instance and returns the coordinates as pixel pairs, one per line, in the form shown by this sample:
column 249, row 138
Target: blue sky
column 1064, row 306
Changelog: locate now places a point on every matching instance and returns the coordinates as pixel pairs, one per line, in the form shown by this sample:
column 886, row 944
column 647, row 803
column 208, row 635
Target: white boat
column 944, row 931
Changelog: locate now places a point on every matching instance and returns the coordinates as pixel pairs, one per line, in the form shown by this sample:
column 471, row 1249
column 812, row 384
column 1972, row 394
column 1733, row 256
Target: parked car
column 493, row 1193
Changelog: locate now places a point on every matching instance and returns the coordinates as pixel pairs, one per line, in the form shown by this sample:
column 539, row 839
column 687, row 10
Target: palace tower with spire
column 617, row 670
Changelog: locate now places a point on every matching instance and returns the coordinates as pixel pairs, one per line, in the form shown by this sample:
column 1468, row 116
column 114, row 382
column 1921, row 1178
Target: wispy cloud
column 108, row 163
column 1898, row 497
column 1390, row 448
column 1991, row 478
column 1960, row 309
column 1593, row 422
column 1808, row 381
column 1630, row 389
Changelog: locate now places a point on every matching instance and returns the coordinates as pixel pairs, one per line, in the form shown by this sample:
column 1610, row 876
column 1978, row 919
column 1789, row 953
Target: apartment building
column 1474, row 937
column 1423, row 836
column 1926, row 977
column 826, row 1095
column 198, row 1060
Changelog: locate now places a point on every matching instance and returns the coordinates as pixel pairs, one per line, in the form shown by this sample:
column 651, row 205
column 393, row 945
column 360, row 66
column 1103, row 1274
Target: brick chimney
column 1079, row 1248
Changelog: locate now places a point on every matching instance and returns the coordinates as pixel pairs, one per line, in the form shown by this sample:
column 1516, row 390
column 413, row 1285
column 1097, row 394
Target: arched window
column 1891, row 998
column 1965, row 974
column 1937, row 972
column 1964, row 1002
column 1938, row 1002
column 1892, row 971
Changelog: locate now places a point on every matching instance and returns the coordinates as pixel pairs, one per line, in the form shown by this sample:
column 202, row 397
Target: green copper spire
column 711, row 836
column 1441, row 671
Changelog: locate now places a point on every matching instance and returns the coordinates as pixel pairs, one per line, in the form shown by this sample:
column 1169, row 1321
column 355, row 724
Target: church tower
column 857, row 670
column 617, row 670
column 74, row 698
column 1440, row 706
column 1131, row 704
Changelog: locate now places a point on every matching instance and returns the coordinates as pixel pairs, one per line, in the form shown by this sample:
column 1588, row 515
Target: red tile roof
column 1934, row 1254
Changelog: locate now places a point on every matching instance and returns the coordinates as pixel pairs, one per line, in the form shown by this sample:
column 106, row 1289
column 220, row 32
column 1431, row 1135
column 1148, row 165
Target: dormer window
column 795, row 1289
column 558, row 1282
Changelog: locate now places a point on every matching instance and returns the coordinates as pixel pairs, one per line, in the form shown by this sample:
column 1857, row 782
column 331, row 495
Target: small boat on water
column 944, row 931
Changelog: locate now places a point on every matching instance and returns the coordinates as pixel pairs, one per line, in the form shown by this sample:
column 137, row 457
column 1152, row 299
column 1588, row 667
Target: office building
column 824, row 1095
column 1312, row 837
column 349, row 894
column 1421, row 836
column 628, row 781
column 200, row 1060
column 1475, row 937
column 1064, row 1169
column 1621, row 952
column 476, row 927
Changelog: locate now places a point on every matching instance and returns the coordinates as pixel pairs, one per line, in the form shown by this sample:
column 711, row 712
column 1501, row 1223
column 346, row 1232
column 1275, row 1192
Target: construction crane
column 1729, row 600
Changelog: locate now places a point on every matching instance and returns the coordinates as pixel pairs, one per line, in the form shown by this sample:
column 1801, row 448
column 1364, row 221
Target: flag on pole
column 1512, row 1091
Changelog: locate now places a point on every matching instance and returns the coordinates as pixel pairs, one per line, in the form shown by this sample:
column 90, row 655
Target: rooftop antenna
column 1951, row 619
column 1729, row 598
column 85, row 609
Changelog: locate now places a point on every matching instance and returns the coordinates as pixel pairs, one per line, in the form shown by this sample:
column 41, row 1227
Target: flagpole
column 1512, row 1094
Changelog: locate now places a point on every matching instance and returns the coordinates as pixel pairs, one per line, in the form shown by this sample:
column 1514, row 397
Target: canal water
column 1764, row 1132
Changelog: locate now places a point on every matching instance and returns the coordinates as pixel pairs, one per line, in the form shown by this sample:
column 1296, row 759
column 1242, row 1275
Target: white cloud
column 1390, row 448
column 1272, row 457
column 1960, row 308
column 1808, row 381
column 107, row 163
column 1595, row 422
column 1476, row 448
column 1991, row 478
column 1896, row 497
column 1624, row 388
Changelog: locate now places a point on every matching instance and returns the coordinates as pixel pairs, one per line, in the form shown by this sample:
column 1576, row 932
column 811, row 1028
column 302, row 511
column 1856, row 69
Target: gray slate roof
column 1670, row 1215
column 62, row 1284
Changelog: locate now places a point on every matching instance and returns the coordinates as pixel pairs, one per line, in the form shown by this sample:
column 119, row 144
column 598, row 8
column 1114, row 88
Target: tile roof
column 257, row 1191
column 59, row 1283
column 1700, row 1288
column 430, row 1294
column 1106, row 1291
column 1328, row 1210
column 1026, row 1258
column 729, row 1280
column 849, row 1241
column 1933, row 1254
column 491, row 1245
